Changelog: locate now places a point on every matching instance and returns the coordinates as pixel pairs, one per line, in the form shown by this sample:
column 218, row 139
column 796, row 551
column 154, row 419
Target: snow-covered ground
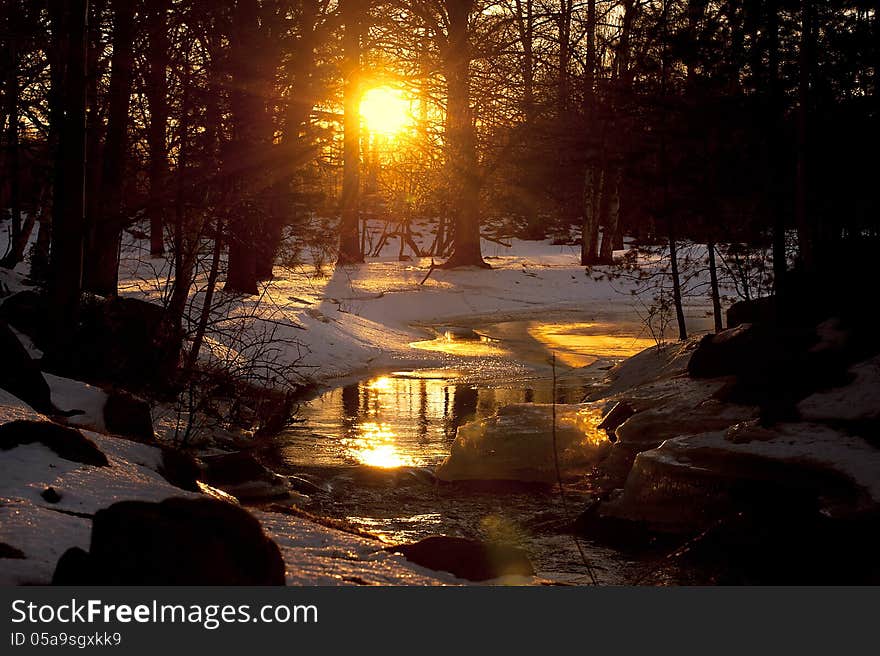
column 350, row 320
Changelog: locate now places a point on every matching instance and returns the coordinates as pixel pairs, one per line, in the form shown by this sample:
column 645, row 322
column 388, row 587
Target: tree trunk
column 713, row 284
column 773, row 119
column 69, row 26
column 806, row 231
column 40, row 269
column 676, row 283
column 349, row 241
column 461, row 140
column 102, row 262
column 12, row 145
column 606, row 254
column 205, row 313
column 593, row 175
column 94, row 121
column 247, row 105
column 185, row 242
column 525, row 21
column 563, row 83
column 157, row 96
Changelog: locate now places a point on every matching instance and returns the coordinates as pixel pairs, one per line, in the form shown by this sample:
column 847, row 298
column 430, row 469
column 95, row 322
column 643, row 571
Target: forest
column 229, row 226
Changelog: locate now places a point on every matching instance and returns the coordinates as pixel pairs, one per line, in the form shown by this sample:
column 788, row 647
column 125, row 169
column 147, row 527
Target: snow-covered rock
column 690, row 480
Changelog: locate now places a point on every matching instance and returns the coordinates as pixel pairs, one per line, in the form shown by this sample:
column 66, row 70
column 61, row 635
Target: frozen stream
column 373, row 444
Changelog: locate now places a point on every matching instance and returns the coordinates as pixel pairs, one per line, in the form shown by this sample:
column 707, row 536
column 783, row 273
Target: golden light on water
column 385, row 111
column 381, row 383
column 582, row 343
column 447, row 342
column 376, row 446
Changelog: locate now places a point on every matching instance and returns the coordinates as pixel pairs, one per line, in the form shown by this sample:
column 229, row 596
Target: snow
column 70, row 394
column 350, row 320
column 316, row 555
column 860, row 400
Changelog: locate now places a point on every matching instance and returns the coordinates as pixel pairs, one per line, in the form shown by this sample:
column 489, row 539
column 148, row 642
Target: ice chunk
column 516, row 444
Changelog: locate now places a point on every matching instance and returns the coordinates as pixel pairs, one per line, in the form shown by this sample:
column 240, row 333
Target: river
column 373, row 444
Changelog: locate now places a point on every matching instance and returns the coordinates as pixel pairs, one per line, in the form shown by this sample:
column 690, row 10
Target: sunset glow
column 385, row 111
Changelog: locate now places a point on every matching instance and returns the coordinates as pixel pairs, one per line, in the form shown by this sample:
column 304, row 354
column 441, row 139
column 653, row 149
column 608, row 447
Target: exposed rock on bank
column 175, row 542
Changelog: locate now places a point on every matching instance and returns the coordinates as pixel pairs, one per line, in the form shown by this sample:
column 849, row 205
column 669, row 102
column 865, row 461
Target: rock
column 67, row 442
column 8, row 551
column 304, row 485
column 175, row 542
column 128, row 415
column 615, row 417
column 180, row 469
column 857, row 401
column 755, row 311
column 690, row 481
column 50, row 495
column 773, row 367
column 120, row 340
column 125, row 341
column 467, row 559
column 243, row 477
column 676, row 407
column 29, row 313
column 653, row 364
column 20, row 375
column 728, row 352
column 74, row 568
column 274, row 411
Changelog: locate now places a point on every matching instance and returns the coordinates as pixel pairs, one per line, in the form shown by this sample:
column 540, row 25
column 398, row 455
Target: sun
column 385, row 110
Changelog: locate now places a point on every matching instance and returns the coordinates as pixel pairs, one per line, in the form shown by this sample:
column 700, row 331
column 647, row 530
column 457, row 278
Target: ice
column 516, row 444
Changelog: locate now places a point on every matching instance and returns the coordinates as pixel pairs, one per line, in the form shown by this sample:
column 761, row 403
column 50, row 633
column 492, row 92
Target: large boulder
column 467, row 559
column 175, row 542
column 730, row 351
column 688, row 482
column 754, row 311
column 66, row 442
column 119, row 340
column 776, row 366
column 180, row 469
column 124, row 341
column 20, row 375
column 128, row 415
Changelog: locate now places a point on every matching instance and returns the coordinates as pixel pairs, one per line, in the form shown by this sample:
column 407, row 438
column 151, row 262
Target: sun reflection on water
column 376, row 446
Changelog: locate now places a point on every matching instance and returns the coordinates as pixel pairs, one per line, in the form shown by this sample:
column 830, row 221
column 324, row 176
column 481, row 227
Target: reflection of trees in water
column 423, row 410
column 464, row 405
column 351, row 405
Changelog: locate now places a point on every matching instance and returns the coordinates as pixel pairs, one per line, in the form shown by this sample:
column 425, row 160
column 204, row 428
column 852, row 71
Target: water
column 373, row 444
